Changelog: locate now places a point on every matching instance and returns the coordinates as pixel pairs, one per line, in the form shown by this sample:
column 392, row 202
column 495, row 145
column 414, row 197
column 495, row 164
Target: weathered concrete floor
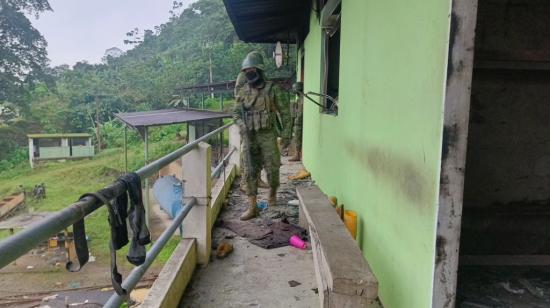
column 252, row 276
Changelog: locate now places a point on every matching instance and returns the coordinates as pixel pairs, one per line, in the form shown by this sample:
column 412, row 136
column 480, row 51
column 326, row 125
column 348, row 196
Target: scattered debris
column 58, row 284
column 74, row 285
column 91, row 259
column 293, row 283
column 79, row 304
column 315, row 290
column 467, row 304
column 30, row 267
column 300, row 175
column 507, row 287
column 281, row 254
column 223, row 250
column 536, row 292
column 294, row 202
column 48, row 298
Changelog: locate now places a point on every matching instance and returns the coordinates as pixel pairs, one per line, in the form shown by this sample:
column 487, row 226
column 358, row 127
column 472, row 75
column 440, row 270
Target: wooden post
column 198, row 183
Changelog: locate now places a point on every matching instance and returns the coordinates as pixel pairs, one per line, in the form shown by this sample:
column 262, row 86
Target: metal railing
column 135, row 275
column 17, row 245
column 216, row 172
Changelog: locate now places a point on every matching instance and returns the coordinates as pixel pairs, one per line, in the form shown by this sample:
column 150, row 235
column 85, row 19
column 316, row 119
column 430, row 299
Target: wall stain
column 401, row 173
column 441, row 254
column 450, row 138
column 452, row 36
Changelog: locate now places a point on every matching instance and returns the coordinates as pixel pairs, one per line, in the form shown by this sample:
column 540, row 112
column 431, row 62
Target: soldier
column 256, row 113
column 239, row 83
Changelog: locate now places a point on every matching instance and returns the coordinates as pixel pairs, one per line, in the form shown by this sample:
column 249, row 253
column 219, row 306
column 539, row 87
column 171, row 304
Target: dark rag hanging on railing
column 136, row 217
column 118, row 213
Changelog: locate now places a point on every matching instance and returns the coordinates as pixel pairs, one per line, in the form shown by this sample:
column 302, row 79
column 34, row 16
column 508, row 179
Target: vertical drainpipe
column 146, row 184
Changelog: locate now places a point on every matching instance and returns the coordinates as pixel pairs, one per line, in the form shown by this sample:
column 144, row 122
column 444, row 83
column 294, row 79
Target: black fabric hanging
column 118, row 230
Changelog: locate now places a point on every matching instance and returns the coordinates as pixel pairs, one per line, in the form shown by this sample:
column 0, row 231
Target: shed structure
column 199, row 123
column 59, row 146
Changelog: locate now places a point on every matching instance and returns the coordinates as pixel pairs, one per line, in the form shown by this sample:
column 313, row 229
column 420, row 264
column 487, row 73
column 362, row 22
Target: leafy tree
column 22, row 49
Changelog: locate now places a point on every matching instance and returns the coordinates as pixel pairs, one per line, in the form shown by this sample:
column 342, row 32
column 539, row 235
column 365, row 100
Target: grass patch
column 66, row 181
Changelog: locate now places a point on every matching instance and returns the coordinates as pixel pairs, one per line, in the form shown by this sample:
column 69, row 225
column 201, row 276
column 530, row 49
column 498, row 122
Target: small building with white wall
column 59, row 146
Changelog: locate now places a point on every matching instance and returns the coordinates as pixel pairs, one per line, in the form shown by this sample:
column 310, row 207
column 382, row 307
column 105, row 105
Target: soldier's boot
column 262, row 184
column 272, row 201
column 251, row 211
column 296, row 157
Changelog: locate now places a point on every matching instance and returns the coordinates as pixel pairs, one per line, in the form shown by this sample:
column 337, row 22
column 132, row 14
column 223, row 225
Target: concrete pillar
column 192, row 129
column 31, row 152
column 235, row 142
column 196, row 167
column 64, row 142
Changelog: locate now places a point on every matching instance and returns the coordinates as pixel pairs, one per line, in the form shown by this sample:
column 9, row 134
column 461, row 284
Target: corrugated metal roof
column 168, row 116
column 269, row 21
column 69, row 135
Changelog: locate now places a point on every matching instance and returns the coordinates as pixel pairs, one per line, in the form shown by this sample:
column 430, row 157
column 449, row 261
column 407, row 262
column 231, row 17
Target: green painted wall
column 381, row 155
column 54, row 152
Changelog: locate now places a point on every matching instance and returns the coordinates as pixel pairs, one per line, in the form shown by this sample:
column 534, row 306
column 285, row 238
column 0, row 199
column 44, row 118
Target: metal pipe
column 125, row 148
column 17, row 245
column 156, row 165
column 146, row 179
column 135, row 275
column 219, row 167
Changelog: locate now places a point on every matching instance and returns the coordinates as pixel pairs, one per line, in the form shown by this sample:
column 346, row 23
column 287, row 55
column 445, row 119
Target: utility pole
column 98, row 132
column 210, row 67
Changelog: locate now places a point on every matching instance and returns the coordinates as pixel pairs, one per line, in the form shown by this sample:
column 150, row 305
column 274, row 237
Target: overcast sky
column 82, row 29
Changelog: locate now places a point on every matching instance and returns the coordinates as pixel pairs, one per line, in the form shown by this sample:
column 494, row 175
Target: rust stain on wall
column 402, row 174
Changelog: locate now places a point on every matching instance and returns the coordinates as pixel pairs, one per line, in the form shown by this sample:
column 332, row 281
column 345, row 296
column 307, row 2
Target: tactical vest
column 257, row 107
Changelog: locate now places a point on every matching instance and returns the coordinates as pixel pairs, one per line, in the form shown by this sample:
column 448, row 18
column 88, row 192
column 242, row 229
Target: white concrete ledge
column 174, row 277
column 220, row 190
column 343, row 275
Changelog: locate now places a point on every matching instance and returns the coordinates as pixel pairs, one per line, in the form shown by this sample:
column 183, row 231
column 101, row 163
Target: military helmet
column 253, row 59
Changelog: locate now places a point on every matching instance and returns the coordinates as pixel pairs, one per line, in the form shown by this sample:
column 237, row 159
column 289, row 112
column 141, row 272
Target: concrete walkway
column 252, row 276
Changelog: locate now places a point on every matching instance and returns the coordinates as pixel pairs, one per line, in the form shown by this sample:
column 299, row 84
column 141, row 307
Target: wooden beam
column 343, row 276
column 454, row 142
column 505, row 260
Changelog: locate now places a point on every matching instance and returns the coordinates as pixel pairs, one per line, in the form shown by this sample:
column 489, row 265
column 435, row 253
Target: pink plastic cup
column 296, row 241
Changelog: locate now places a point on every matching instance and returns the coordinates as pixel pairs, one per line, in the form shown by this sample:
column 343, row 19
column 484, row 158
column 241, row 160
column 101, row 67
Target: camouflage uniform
column 259, row 107
column 283, row 99
column 298, row 113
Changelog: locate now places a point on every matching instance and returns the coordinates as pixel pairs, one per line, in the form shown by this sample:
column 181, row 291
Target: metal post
column 125, row 148
column 98, row 131
column 135, row 275
column 146, row 181
column 202, row 100
column 221, row 102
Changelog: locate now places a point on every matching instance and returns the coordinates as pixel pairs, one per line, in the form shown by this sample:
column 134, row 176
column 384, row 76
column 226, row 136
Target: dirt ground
column 41, row 274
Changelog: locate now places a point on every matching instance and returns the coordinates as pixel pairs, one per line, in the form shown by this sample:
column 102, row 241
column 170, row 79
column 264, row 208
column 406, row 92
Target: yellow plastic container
column 350, row 220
